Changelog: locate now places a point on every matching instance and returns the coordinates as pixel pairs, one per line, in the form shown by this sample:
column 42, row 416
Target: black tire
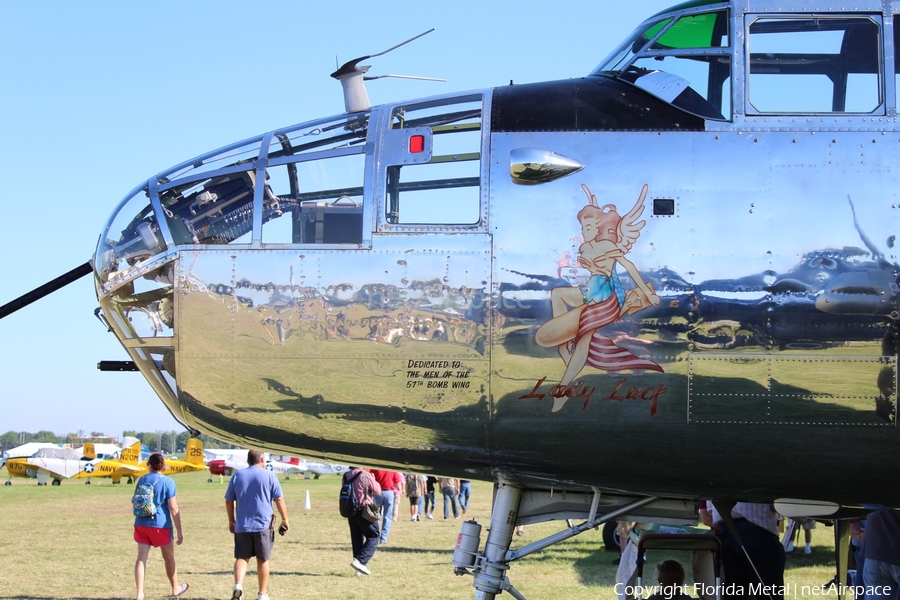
column 56, row 482
column 610, row 536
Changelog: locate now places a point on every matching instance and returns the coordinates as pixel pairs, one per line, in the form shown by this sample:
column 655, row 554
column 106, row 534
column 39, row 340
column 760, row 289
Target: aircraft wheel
column 611, row 537
column 55, row 482
column 8, row 483
column 88, row 482
column 209, row 480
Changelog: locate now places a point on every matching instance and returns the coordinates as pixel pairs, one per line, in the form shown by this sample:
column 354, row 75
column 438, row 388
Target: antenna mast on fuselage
column 351, row 75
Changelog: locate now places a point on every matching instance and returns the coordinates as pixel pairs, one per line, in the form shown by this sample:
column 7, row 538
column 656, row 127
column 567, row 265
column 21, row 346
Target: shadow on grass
column 820, row 557
column 251, row 574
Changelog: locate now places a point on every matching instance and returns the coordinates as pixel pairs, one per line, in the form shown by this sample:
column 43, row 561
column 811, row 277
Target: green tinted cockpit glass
column 653, row 30
column 694, row 31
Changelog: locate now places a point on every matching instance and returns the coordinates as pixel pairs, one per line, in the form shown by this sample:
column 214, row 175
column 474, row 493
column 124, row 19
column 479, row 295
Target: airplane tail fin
column 131, row 450
column 194, row 451
column 88, row 450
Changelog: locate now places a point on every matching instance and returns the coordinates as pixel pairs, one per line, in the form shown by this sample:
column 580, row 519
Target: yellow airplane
column 193, row 461
column 127, row 464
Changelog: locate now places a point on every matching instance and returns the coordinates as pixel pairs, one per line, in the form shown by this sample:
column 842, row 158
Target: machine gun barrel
column 46, row 289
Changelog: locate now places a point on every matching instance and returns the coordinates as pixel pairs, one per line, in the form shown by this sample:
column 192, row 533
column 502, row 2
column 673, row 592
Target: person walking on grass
column 156, row 531
column 254, row 489
column 450, row 489
column 364, row 533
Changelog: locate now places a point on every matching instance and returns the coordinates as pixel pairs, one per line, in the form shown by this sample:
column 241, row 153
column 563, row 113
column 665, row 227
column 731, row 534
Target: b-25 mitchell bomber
column 572, row 288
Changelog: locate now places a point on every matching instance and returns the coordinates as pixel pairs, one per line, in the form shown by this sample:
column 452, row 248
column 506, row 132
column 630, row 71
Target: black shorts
column 254, row 543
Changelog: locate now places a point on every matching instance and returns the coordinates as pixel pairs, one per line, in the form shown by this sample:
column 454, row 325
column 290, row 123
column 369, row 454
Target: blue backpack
column 143, row 503
column 347, row 500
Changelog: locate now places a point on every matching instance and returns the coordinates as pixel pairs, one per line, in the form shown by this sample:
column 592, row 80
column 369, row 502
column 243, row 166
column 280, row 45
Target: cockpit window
column 706, row 30
column 814, row 65
column 698, row 84
column 305, row 164
column 212, row 199
column 686, row 62
column 623, row 55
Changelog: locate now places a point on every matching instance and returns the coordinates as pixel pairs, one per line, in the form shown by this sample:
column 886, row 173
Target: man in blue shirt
column 254, row 489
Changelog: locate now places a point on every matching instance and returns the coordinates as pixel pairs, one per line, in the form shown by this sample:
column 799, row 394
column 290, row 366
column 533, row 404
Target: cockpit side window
column 805, row 64
column 326, row 205
column 317, row 174
column 685, row 61
column 435, row 178
column 279, row 181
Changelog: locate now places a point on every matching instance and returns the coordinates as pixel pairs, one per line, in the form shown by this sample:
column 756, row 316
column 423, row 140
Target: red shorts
column 152, row 536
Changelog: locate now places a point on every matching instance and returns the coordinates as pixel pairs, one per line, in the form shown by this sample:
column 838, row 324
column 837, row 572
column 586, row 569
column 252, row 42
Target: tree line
column 166, row 441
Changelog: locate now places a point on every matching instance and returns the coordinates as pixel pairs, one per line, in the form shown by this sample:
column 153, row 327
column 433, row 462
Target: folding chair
column 681, row 541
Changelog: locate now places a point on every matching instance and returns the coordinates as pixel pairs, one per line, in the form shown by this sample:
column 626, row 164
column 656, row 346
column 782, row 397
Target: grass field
column 74, row 541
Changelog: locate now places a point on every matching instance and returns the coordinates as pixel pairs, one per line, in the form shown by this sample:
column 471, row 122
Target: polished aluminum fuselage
column 769, row 242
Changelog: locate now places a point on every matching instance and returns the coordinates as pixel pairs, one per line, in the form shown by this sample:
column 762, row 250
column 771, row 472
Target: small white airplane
column 276, row 464
column 52, row 463
column 228, row 466
column 210, row 454
column 320, row 468
column 26, row 450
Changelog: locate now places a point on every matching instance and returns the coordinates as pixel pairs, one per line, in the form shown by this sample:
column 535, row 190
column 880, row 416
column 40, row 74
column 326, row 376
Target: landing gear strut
column 490, row 567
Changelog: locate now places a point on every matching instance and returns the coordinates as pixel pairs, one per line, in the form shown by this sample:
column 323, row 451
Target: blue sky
column 97, row 96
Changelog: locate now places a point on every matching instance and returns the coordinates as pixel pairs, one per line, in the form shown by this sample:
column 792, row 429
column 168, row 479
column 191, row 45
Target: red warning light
column 416, row 144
